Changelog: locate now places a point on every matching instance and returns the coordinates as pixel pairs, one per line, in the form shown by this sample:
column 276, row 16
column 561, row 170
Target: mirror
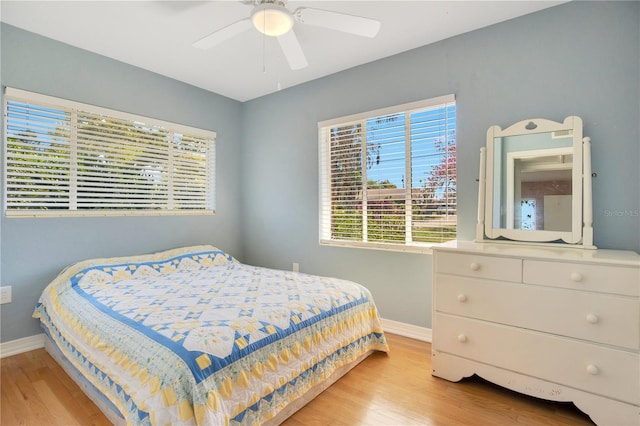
column 531, row 184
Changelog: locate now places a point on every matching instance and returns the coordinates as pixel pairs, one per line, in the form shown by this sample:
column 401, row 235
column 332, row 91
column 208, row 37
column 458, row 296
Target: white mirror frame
column 581, row 234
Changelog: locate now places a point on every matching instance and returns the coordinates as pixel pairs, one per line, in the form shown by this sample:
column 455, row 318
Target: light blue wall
column 580, row 58
column 35, row 250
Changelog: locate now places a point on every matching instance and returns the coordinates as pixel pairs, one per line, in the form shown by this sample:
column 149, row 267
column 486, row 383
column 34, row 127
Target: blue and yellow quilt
column 192, row 336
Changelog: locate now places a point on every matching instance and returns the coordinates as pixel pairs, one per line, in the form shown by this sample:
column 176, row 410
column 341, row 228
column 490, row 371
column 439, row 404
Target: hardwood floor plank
column 8, row 399
column 25, row 403
column 56, row 404
column 385, row 389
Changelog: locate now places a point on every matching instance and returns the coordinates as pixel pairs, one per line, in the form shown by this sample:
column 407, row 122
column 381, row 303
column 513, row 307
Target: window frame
column 172, row 130
column 324, row 154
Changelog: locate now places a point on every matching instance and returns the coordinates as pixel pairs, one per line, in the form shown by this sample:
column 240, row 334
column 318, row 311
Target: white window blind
column 67, row 158
column 388, row 177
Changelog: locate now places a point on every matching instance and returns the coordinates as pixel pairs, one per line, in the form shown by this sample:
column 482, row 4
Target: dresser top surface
column 618, row 257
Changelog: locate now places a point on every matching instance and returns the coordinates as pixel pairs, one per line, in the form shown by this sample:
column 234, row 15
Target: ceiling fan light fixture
column 272, row 19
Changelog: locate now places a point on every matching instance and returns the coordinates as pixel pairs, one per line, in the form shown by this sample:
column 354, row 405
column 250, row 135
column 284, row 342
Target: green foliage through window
column 65, row 156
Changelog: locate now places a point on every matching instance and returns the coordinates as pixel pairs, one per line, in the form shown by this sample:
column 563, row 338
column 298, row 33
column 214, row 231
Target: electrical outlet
column 5, row 294
column 296, row 267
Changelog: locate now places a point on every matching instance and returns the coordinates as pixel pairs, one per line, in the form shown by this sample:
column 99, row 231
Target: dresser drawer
column 601, row 318
column 597, row 369
column 602, row 278
column 471, row 265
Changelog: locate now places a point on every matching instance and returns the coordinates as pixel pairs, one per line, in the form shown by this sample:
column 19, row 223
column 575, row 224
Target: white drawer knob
column 592, row 318
column 592, row 369
column 474, row 266
column 462, row 338
column 462, row 298
column 576, row 276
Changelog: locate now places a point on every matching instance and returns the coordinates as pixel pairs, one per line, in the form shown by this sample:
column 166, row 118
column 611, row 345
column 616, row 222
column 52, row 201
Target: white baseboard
column 18, row 346
column 407, row 330
column 26, row 344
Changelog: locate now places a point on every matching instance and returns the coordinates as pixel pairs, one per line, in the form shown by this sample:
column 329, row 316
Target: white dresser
column 561, row 324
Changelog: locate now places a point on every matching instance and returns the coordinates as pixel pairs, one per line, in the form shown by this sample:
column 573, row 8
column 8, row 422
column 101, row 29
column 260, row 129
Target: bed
column 192, row 336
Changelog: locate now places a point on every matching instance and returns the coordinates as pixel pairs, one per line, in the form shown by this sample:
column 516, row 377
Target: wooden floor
column 386, row 389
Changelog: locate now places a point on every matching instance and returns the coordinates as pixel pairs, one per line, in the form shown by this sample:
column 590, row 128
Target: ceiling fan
column 272, row 18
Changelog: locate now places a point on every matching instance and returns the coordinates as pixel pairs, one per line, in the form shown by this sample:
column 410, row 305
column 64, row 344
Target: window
column 388, row 177
column 64, row 158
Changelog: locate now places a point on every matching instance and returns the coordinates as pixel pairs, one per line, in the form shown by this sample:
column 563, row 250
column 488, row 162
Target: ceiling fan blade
column 338, row 21
column 292, row 50
column 223, row 34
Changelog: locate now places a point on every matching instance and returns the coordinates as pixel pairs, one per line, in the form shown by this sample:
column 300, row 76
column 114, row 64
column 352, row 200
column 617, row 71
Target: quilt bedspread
column 191, row 336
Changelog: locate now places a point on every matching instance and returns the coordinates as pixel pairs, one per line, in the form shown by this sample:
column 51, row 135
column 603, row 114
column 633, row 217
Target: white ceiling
column 157, row 36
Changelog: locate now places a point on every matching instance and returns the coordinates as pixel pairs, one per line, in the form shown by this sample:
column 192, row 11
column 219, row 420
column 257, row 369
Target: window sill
column 420, row 248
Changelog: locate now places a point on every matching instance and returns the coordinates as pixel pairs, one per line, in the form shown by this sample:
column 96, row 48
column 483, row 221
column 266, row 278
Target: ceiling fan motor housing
column 272, row 18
